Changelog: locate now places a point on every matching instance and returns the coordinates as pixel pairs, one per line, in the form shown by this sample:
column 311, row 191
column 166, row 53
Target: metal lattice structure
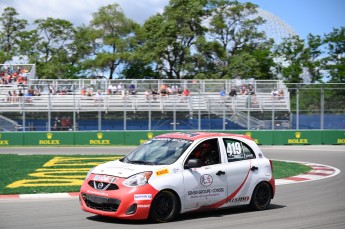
column 275, row 27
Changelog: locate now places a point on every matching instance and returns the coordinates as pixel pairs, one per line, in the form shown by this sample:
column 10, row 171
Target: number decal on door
column 234, row 150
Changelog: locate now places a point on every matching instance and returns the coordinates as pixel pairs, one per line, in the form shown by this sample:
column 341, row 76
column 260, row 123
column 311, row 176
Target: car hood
column 120, row 169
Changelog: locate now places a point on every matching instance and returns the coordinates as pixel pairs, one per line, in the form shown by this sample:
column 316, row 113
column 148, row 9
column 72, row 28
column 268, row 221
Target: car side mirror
column 193, row 163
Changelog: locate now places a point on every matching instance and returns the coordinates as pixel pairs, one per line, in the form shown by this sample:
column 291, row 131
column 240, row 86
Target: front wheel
column 164, row 207
column 261, row 197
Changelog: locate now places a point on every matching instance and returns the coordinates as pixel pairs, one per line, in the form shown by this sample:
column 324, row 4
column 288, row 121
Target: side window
column 207, row 151
column 236, row 150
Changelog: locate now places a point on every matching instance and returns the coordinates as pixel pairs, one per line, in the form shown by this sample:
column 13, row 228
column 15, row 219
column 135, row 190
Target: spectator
column 233, row 92
column 251, row 89
column 64, row 124
column 132, row 90
column 163, row 90
column 185, row 95
column 147, row 94
column 51, row 89
column 14, row 96
column 112, row 89
column 120, row 88
column 243, row 89
column 274, row 92
column 222, row 93
column 83, row 91
column 89, row 91
column 57, row 124
column 98, row 96
column 154, row 94
column 186, row 92
column 9, row 96
column 174, row 89
column 281, row 94
column 20, row 93
column 169, row 90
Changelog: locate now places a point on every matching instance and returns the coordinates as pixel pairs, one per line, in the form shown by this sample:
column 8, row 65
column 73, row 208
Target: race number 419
column 234, row 149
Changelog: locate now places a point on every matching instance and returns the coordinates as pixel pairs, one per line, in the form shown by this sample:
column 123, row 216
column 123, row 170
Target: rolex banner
column 108, row 138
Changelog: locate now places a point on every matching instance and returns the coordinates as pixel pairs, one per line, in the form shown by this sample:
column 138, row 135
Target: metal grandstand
column 203, row 109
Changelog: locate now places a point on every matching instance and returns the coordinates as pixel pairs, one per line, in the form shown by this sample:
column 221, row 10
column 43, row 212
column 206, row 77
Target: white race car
column 179, row 172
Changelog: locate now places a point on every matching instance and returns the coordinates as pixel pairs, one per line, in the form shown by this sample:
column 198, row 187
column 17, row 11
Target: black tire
column 164, row 207
column 261, row 197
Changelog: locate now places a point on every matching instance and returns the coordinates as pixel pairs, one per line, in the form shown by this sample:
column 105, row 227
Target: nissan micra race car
column 179, row 172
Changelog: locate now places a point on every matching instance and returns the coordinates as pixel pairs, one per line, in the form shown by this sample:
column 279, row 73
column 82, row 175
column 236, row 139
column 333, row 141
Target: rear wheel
column 261, row 197
column 164, row 207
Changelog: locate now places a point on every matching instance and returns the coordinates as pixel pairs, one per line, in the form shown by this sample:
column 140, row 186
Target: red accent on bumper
column 125, row 195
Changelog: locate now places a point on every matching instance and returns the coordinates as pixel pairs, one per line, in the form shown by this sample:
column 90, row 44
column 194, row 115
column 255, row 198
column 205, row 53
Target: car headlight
column 137, row 179
column 89, row 173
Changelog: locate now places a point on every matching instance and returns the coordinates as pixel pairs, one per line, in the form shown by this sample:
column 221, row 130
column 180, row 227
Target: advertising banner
column 11, row 139
column 333, row 137
column 99, row 138
column 48, row 138
column 297, row 138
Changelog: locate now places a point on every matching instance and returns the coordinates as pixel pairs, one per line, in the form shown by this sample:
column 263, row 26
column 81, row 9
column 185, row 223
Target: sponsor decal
column 239, row 199
column 162, row 172
column 99, row 140
column 298, row 139
column 206, row 193
column 144, row 205
column 49, row 140
column 104, row 178
column 175, row 170
column 143, row 197
column 3, row 142
column 206, row 180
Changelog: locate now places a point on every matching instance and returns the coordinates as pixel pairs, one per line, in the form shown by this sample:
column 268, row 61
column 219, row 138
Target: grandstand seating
column 205, row 101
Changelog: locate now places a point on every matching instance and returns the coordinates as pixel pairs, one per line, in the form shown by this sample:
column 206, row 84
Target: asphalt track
column 315, row 204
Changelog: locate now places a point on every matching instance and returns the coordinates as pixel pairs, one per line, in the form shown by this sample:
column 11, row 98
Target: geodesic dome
column 275, row 27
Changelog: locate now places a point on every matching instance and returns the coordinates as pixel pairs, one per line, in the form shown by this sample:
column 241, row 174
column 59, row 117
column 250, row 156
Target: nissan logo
column 100, row 185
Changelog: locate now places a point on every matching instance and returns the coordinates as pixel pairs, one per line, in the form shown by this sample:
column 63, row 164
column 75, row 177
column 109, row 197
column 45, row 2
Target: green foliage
column 10, row 27
column 189, row 39
column 335, row 61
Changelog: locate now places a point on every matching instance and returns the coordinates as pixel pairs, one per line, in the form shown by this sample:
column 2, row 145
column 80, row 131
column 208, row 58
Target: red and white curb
column 40, row 196
column 318, row 172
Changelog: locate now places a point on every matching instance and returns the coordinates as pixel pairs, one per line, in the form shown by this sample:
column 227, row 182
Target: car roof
column 200, row 135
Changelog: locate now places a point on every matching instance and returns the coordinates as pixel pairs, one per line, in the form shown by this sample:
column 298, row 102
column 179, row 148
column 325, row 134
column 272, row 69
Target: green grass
column 64, row 173
column 283, row 169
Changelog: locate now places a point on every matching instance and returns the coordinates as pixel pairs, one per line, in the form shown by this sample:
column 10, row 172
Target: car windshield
column 158, row 151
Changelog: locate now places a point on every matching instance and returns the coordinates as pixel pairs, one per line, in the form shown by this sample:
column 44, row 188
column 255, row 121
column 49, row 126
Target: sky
column 317, row 17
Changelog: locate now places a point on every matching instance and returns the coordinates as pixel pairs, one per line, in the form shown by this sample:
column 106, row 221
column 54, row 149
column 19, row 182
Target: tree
column 53, row 54
column 335, row 62
column 113, row 36
column 169, row 38
column 233, row 26
column 10, row 29
column 297, row 60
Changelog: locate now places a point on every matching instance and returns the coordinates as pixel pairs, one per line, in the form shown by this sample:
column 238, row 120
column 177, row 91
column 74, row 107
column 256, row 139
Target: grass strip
column 28, row 174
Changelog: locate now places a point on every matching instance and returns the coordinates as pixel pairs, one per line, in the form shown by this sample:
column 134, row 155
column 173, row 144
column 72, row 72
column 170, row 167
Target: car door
column 205, row 185
column 242, row 171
